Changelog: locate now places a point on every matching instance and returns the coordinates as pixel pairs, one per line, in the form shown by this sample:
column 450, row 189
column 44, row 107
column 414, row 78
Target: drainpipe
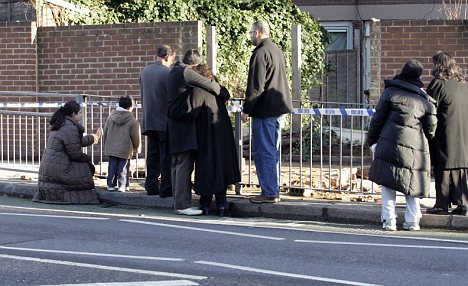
column 366, row 60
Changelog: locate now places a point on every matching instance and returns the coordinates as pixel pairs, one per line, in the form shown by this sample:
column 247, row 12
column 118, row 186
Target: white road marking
column 92, row 254
column 203, row 229
column 103, row 267
column 57, row 216
column 146, row 283
column 382, row 244
column 246, row 222
column 285, row 274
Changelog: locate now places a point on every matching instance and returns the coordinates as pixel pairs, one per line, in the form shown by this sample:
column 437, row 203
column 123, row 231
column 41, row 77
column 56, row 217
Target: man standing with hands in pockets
column 267, row 98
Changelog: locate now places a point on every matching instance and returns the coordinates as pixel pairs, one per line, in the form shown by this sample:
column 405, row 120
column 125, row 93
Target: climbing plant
column 232, row 20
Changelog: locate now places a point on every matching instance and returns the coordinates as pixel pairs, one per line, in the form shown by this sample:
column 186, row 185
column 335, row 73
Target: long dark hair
column 445, row 67
column 204, row 70
column 58, row 117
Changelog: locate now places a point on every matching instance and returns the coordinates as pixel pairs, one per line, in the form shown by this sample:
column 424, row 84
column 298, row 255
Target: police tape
column 335, row 111
column 234, row 108
column 55, row 104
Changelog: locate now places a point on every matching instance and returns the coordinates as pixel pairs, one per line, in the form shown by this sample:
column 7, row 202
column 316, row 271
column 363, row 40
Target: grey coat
column 449, row 148
column 403, row 122
column 181, row 130
column 154, row 97
column 64, row 174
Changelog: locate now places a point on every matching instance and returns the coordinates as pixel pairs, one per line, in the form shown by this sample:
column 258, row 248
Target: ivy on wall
column 232, row 20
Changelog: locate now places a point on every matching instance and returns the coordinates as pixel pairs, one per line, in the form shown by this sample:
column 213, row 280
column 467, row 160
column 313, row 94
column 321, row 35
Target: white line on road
column 285, row 274
column 382, row 244
column 146, row 283
column 57, row 216
column 103, row 267
column 203, row 229
column 92, row 254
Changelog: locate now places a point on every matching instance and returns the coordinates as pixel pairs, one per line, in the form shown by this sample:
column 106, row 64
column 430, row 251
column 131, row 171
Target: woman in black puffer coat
column 404, row 120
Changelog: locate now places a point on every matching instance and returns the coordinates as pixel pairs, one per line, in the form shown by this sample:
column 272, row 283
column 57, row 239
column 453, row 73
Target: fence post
column 296, row 61
column 239, row 140
column 211, row 48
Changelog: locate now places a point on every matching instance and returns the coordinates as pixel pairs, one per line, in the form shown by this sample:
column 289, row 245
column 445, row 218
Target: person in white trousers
column 404, row 120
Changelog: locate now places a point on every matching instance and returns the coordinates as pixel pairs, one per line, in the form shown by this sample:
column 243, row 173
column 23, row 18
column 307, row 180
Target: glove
column 373, row 147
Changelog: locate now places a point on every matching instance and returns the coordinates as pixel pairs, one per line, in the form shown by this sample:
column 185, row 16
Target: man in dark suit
column 154, row 100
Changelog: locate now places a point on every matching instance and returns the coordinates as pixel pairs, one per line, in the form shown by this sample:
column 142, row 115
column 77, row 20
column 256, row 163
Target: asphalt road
column 69, row 245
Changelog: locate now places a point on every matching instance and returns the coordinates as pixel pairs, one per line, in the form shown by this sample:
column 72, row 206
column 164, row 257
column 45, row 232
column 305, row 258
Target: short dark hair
column 125, row 102
column 192, row 57
column 164, row 51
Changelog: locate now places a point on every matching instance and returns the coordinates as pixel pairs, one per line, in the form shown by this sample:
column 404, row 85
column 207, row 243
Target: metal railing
column 322, row 148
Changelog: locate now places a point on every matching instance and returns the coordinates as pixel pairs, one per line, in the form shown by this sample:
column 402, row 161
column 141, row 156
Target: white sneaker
column 411, row 226
column 189, row 211
column 389, row 225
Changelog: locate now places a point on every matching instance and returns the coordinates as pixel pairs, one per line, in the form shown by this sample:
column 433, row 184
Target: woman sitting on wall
column 65, row 172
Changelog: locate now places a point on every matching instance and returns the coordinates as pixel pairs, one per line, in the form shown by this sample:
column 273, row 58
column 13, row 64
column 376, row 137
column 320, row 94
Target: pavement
column 350, row 209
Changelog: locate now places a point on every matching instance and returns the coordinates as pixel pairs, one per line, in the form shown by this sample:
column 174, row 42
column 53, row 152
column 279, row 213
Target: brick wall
column 394, row 42
column 18, row 59
column 105, row 60
column 101, row 60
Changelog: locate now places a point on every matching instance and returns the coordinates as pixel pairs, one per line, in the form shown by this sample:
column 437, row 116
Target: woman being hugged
column 65, row 176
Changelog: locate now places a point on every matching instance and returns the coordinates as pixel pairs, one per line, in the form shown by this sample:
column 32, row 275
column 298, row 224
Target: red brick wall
column 105, row 60
column 395, row 41
column 18, row 59
column 101, row 60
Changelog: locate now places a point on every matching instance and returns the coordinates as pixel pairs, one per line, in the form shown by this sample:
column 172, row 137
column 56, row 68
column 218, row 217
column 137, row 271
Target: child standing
column 121, row 139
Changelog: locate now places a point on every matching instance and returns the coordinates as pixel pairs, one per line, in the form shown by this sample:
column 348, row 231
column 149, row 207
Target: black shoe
column 205, row 211
column 437, row 211
column 460, row 210
column 163, row 195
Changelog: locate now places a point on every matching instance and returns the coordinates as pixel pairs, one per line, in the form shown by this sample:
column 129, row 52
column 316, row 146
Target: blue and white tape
column 335, row 111
column 54, row 104
column 236, row 107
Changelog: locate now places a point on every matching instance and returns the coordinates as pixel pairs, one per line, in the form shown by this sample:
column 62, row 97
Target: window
column 341, row 34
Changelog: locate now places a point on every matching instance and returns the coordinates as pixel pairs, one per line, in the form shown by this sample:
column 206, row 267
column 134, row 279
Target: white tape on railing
column 234, row 108
column 54, row 104
column 335, row 111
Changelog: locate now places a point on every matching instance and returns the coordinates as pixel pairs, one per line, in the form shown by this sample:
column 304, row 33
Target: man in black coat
column 182, row 128
column 154, row 98
column 267, row 98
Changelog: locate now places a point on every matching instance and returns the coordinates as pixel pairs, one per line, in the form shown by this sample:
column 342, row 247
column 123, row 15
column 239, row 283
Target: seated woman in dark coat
column 216, row 164
column 65, row 176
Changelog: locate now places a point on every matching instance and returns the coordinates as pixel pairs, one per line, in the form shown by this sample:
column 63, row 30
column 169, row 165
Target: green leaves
column 232, row 20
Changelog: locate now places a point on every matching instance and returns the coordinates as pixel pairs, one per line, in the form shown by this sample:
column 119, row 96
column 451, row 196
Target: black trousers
column 158, row 163
column 451, row 187
column 220, row 199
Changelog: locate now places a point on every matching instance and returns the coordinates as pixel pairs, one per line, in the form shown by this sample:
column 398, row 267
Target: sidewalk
column 291, row 207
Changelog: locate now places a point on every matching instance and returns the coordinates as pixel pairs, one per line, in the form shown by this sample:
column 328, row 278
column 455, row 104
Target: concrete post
column 296, row 61
column 211, row 48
